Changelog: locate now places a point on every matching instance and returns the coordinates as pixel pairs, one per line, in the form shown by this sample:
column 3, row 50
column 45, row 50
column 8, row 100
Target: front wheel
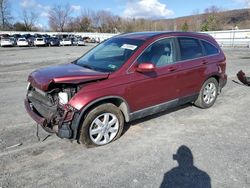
column 208, row 94
column 102, row 125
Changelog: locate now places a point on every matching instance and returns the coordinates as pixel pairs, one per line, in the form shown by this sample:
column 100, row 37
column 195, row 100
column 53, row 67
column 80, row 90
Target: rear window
column 190, row 48
column 39, row 39
column 209, row 48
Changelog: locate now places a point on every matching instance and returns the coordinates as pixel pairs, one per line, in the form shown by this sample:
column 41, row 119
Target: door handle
column 204, row 62
column 171, row 69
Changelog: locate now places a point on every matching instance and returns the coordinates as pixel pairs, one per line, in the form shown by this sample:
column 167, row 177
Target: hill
column 221, row 20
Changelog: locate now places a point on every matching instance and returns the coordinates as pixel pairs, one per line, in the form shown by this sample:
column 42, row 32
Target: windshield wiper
column 91, row 67
column 87, row 66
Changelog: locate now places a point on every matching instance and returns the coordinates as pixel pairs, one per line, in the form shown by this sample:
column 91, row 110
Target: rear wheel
column 102, row 125
column 208, row 94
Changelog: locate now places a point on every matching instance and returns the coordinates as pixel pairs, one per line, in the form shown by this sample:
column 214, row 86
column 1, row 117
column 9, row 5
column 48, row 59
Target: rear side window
column 190, row 48
column 209, row 48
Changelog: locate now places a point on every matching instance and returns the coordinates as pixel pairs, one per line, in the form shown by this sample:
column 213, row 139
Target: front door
column 159, row 86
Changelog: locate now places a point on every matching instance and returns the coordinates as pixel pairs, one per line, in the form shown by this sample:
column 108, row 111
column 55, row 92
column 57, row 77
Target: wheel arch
column 215, row 76
column 118, row 101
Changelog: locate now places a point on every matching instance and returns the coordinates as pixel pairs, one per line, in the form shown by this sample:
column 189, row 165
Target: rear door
column 192, row 66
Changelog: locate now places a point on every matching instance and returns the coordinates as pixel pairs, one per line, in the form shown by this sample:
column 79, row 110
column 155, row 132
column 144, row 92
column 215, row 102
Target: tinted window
column 209, row 48
column 160, row 53
column 190, row 48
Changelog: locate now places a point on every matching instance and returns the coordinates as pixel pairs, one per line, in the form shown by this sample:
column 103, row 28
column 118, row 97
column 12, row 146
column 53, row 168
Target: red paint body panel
column 139, row 90
column 68, row 73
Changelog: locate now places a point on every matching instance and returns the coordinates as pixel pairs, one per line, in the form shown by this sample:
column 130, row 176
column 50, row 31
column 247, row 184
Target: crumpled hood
column 68, row 73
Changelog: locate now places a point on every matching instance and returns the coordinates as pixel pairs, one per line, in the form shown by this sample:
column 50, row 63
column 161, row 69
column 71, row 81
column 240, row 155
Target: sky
column 152, row 9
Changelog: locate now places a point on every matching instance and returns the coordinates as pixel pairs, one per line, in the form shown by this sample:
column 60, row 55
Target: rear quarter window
column 209, row 48
column 190, row 48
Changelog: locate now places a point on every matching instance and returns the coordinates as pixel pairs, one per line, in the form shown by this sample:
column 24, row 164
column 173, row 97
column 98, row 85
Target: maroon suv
column 124, row 78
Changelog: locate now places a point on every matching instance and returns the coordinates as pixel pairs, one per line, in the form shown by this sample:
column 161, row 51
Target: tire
column 95, row 132
column 208, row 94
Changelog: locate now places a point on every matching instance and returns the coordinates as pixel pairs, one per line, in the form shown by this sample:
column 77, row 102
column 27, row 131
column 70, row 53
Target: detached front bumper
column 36, row 117
column 66, row 126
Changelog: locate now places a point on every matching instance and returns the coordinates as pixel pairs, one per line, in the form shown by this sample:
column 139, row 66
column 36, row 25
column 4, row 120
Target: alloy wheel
column 104, row 128
column 209, row 93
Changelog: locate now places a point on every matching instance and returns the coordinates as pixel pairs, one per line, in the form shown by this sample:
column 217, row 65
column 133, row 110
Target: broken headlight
column 63, row 97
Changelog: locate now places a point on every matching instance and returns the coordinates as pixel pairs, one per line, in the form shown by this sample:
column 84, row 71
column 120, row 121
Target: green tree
column 184, row 27
column 210, row 24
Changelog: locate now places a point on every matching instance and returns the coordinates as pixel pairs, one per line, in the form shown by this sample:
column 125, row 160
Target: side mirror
column 145, row 67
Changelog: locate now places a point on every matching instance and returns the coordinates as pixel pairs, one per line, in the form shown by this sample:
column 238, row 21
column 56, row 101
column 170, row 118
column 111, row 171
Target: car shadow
column 147, row 118
column 185, row 175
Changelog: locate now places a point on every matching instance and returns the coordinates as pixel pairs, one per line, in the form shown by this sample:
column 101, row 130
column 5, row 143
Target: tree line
column 60, row 19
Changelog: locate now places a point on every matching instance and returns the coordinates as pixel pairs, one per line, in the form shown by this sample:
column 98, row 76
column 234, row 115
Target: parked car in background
column 89, row 40
column 13, row 40
column 54, row 41
column 93, row 40
column 86, row 39
column 47, row 40
column 16, row 36
column 65, row 42
column 6, row 42
column 26, row 36
column 22, row 42
column 31, row 40
column 39, row 42
column 78, row 42
column 37, row 35
column 127, row 77
column 4, row 36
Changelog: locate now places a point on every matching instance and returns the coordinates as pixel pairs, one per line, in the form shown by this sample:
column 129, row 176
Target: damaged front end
column 48, row 94
column 50, row 109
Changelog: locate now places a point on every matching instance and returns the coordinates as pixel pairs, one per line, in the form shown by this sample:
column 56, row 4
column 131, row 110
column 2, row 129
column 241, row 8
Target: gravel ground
column 218, row 138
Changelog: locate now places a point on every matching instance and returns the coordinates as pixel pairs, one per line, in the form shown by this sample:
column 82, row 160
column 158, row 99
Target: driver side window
column 160, row 53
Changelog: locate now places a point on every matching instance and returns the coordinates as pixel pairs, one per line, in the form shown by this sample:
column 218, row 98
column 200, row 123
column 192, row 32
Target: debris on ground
column 242, row 77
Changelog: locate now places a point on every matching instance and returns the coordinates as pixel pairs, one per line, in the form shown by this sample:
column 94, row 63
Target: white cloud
column 42, row 10
column 27, row 3
column 146, row 9
column 246, row 2
column 44, row 14
column 39, row 25
column 76, row 7
column 107, row 9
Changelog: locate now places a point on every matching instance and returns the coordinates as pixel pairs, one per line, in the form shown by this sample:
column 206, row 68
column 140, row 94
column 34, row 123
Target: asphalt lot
column 219, row 137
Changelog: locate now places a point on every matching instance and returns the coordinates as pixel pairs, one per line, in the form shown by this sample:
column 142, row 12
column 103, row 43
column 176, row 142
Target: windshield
column 109, row 55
